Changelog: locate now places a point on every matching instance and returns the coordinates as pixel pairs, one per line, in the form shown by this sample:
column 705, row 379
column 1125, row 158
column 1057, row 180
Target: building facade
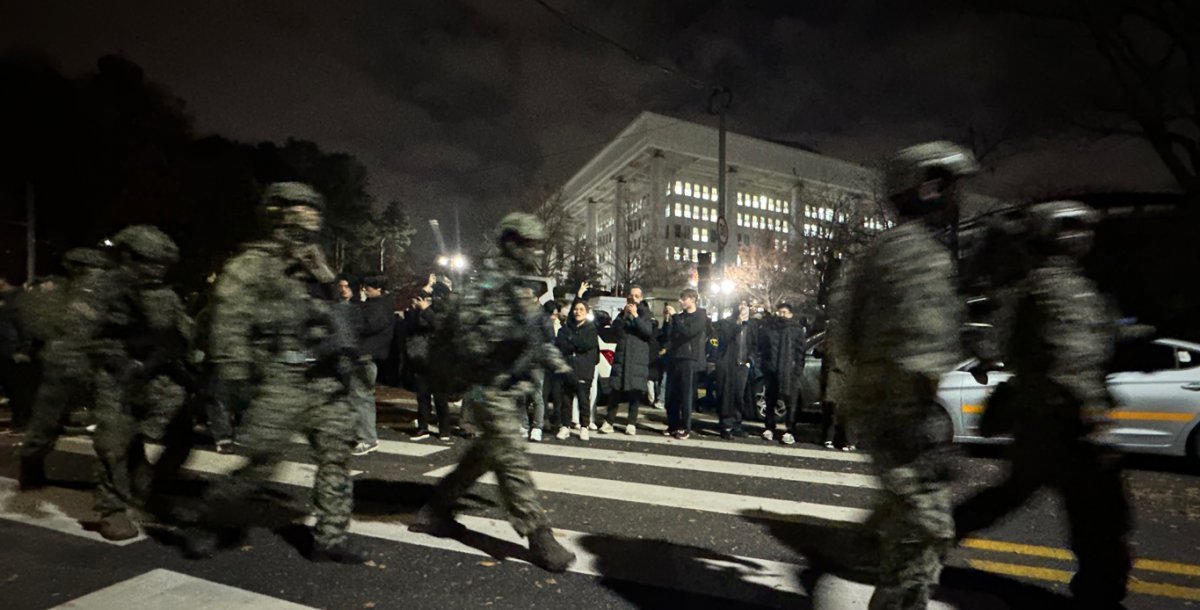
column 652, row 192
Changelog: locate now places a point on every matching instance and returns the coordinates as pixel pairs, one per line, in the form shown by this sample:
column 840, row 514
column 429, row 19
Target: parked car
column 1155, row 384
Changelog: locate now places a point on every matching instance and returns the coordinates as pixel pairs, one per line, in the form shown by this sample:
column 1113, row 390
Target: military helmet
column 522, row 226
column 1063, row 227
column 912, row 166
column 148, row 243
column 90, row 258
column 293, row 193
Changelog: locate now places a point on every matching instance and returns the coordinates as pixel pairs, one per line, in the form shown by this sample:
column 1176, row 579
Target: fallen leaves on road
column 487, row 564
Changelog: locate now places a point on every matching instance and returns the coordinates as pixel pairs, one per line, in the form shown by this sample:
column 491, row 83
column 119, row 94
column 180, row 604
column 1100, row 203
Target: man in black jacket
column 685, row 337
column 781, row 343
column 632, row 331
column 736, row 348
column 375, row 328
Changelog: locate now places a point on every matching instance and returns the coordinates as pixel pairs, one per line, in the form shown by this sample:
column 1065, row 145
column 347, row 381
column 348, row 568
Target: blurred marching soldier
column 896, row 333
column 1058, row 347
column 491, row 339
column 277, row 347
column 71, row 317
column 140, row 396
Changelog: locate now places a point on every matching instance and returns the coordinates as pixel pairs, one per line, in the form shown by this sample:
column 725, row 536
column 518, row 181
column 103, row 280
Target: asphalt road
column 704, row 523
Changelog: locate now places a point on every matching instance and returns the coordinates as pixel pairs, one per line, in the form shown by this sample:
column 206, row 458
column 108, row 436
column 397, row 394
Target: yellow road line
column 1012, row 569
column 1062, row 576
column 1047, row 552
column 1018, row 549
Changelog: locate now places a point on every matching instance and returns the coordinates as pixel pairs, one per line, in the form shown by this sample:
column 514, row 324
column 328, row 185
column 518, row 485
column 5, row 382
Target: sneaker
column 738, row 433
column 630, row 429
column 226, row 447
column 535, row 435
column 726, row 434
column 768, row 435
column 524, row 432
column 117, row 526
column 445, row 438
column 669, row 432
column 607, row 428
column 683, row 435
column 574, row 425
column 592, row 427
column 546, row 553
column 788, row 439
column 342, row 552
column 849, row 448
column 583, row 435
column 365, row 448
column 90, row 428
column 420, row 435
column 563, row 433
column 830, row 445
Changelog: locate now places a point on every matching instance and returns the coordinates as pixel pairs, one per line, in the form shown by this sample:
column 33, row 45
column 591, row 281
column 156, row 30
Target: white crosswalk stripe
column 159, row 589
column 764, row 448
column 776, row 473
column 677, row 497
column 22, row 508
column 209, row 462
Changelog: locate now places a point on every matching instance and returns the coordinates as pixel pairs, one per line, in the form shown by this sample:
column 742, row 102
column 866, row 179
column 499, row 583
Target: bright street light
column 727, row 286
column 458, row 262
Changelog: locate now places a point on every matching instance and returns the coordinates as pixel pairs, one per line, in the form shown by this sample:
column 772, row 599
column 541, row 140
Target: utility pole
column 718, row 104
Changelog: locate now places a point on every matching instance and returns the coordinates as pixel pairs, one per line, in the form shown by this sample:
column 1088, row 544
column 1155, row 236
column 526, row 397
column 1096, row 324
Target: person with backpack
column 489, row 345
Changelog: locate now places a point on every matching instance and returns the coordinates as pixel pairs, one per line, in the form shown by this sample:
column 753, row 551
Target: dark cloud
column 476, row 103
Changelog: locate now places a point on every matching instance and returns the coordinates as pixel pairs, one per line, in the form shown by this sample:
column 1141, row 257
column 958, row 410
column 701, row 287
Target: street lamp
column 727, row 287
column 458, row 262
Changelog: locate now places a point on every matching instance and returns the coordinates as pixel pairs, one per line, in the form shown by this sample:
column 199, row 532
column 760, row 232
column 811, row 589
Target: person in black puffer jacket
column 578, row 342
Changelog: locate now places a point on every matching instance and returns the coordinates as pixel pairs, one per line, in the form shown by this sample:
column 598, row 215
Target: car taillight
column 608, row 355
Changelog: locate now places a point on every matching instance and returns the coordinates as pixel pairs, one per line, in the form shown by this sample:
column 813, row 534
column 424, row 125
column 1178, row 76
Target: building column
column 794, row 214
column 732, row 185
column 592, row 222
column 621, row 205
column 658, row 196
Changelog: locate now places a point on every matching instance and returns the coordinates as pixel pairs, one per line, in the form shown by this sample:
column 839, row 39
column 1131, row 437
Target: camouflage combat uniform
column 497, row 344
column 70, row 321
column 896, row 332
column 268, row 335
column 139, row 395
column 1061, row 340
column 496, row 406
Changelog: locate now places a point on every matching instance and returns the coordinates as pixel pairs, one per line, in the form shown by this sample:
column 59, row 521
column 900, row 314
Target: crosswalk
column 691, row 478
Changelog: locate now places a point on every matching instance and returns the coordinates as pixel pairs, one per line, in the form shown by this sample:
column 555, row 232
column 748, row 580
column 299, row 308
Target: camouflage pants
column 67, row 377
column 910, row 453
column 500, row 448
column 125, row 418
column 287, row 402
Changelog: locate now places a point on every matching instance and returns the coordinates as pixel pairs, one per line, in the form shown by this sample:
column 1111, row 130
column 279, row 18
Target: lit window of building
column 687, row 189
column 785, row 207
column 704, row 235
column 678, row 187
column 704, row 192
column 678, row 209
column 687, row 210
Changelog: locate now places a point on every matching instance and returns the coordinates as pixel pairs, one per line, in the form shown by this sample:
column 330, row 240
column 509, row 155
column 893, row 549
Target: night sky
column 480, row 103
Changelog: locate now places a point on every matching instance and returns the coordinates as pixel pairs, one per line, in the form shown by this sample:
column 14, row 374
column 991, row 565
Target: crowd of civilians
column 661, row 362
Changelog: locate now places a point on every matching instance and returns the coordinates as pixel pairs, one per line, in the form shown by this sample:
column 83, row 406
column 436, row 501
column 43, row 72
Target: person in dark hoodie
column 420, row 323
column 579, row 343
column 375, row 328
column 781, row 344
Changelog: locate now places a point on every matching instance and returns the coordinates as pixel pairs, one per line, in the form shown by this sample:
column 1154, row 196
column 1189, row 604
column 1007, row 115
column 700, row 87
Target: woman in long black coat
column 633, row 332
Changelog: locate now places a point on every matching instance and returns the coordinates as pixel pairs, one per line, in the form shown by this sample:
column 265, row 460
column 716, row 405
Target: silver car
column 1156, row 387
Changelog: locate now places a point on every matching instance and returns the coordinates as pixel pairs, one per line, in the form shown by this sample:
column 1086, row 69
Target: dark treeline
column 111, row 148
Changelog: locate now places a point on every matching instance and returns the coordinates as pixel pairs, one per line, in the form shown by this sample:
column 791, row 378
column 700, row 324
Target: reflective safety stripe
column 1152, row 416
column 976, row 409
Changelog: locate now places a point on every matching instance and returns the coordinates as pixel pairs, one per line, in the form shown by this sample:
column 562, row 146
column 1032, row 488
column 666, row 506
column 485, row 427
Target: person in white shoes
column 633, row 332
column 579, row 344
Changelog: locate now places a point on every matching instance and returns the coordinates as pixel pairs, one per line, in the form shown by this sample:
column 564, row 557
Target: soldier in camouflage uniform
column 507, row 344
column 277, row 346
column 1058, row 347
column 896, row 332
column 138, row 391
column 70, row 319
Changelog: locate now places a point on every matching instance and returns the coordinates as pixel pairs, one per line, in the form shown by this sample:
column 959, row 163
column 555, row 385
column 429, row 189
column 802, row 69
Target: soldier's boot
column 437, row 521
column 341, row 552
column 547, row 553
column 117, row 526
column 33, row 473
